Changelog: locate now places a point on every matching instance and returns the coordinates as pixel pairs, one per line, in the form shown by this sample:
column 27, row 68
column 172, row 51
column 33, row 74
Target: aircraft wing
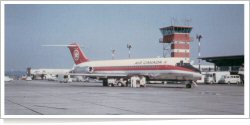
column 98, row 75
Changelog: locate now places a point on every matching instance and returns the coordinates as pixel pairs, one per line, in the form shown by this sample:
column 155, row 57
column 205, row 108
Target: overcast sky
column 100, row 28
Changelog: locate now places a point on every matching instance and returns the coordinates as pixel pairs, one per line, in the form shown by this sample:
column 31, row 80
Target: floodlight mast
column 199, row 37
column 129, row 46
column 113, row 53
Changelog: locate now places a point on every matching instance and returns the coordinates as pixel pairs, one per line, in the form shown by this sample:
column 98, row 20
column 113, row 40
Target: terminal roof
column 232, row 60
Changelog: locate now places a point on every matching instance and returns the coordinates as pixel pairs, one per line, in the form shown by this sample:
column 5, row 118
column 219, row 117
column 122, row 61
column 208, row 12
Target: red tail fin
column 77, row 54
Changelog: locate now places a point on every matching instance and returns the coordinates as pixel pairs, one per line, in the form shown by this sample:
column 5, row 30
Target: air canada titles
column 150, row 62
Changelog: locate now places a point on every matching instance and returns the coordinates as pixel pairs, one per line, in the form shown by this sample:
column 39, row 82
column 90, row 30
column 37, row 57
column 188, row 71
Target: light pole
column 198, row 37
column 113, row 53
column 129, row 47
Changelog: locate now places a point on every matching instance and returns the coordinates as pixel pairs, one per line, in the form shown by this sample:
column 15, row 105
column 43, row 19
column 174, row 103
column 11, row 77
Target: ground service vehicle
column 232, row 79
column 215, row 77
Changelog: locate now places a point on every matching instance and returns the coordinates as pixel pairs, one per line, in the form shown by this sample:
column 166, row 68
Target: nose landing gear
column 189, row 84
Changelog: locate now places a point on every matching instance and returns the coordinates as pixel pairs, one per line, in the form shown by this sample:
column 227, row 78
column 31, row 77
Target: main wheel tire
column 110, row 85
column 188, row 86
column 228, row 83
column 119, row 84
column 142, row 85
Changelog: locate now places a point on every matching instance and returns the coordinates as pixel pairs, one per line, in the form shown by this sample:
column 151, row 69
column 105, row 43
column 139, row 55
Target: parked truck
column 64, row 78
column 117, row 82
column 215, row 77
column 221, row 77
column 134, row 81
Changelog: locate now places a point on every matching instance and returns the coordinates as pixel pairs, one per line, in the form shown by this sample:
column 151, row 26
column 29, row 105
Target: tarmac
column 39, row 97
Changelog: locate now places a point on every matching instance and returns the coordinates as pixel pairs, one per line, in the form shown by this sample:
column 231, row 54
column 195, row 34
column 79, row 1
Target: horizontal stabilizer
column 75, row 50
column 59, row 45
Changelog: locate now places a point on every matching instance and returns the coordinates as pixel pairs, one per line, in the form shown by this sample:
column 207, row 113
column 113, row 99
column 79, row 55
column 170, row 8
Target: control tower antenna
column 174, row 21
column 187, row 21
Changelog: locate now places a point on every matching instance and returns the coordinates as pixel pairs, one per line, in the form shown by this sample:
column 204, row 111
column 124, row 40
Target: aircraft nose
column 197, row 75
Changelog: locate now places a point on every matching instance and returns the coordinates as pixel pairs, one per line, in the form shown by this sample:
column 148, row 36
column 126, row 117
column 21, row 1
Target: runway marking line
column 25, row 107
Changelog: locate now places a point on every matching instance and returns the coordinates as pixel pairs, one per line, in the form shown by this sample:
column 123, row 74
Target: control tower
column 177, row 38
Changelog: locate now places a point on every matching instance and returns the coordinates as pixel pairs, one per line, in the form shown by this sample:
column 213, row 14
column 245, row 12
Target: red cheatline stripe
column 148, row 67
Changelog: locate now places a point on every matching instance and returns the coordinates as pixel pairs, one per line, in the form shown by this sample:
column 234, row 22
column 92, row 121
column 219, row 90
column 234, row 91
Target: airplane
column 124, row 70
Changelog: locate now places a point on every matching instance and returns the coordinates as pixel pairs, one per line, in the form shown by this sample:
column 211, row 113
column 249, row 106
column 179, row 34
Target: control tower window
column 172, row 30
column 182, row 30
column 166, row 32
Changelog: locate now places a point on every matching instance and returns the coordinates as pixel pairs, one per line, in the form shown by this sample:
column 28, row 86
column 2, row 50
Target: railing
column 224, row 68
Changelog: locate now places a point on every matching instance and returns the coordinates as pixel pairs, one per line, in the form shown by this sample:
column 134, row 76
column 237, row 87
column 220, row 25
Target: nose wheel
column 189, row 85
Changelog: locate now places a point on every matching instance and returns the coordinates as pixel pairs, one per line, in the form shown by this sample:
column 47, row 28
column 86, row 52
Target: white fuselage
column 153, row 68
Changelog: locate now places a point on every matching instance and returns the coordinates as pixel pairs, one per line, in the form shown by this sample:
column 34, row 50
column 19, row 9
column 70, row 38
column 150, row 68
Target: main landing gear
column 105, row 82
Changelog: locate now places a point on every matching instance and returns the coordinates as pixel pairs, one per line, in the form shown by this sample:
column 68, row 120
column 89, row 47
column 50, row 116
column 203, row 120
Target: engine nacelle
column 85, row 69
column 89, row 69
